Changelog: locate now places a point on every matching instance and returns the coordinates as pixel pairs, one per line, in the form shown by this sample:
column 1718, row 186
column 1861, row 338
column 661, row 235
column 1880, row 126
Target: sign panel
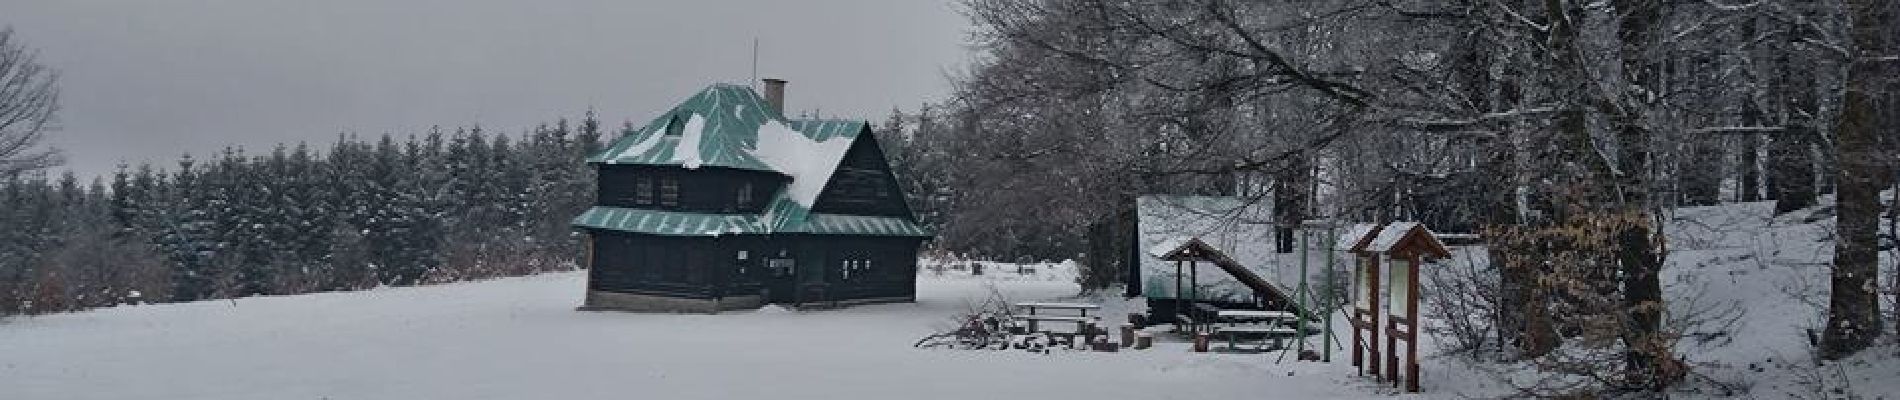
column 1362, row 282
column 1400, row 287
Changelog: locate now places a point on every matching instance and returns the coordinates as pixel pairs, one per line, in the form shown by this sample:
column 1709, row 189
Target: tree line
column 365, row 212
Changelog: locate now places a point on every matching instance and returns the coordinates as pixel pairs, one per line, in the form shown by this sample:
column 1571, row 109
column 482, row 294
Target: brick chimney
column 775, row 94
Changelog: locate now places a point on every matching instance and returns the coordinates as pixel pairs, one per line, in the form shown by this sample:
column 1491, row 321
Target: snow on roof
column 730, row 126
column 809, row 162
column 640, row 147
column 1396, row 231
column 1168, row 246
column 1390, row 236
column 687, row 151
column 1240, row 227
column 1353, row 235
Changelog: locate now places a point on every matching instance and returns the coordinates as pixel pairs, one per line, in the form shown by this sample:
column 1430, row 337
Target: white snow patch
column 1353, row 235
column 1167, row 246
column 643, row 146
column 808, row 161
column 520, row 338
column 687, row 151
column 1240, row 228
column 1390, row 236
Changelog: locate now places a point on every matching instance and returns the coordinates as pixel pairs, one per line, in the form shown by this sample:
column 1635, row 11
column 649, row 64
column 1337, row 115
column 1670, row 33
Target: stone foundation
column 857, row 302
column 610, row 301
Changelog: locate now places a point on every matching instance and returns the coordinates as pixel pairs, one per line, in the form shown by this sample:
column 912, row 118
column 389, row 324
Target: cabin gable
column 863, row 184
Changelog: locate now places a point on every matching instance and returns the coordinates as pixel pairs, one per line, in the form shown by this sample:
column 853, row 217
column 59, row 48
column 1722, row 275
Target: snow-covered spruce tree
column 184, row 234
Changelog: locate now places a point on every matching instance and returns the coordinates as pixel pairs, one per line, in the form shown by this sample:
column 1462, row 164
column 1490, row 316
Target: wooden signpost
column 1403, row 248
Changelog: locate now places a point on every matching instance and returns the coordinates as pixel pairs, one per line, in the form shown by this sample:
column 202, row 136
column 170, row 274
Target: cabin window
column 745, row 196
column 781, row 267
column 854, row 268
column 673, row 127
column 669, row 191
column 643, row 190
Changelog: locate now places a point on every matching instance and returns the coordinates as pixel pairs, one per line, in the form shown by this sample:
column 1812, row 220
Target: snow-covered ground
column 521, row 338
column 1775, row 270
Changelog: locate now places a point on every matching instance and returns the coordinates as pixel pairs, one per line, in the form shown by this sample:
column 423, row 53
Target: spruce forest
column 361, row 213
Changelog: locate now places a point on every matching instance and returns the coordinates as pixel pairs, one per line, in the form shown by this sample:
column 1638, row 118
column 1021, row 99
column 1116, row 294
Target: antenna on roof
column 754, row 82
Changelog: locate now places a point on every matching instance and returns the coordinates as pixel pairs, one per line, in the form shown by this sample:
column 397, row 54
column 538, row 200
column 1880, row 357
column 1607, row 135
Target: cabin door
column 781, row 286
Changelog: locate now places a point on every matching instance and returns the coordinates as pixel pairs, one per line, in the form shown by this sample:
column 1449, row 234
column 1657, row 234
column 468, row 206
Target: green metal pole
column 1304, row 292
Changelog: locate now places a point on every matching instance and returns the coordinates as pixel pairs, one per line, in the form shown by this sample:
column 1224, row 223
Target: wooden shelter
column 1239, row 228
column 1401, row 247
column 1188, row 253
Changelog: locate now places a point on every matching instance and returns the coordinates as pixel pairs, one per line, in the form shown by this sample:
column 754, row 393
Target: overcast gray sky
column 150, row 80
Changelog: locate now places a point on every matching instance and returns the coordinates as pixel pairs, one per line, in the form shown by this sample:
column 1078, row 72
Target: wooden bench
column 1082, row 308
column 1082, row 326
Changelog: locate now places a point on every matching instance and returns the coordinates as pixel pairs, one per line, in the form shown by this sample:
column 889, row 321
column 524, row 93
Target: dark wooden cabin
column 723, row 203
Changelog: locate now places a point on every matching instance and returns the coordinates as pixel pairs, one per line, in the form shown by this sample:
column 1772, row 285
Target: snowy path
column 521, row 338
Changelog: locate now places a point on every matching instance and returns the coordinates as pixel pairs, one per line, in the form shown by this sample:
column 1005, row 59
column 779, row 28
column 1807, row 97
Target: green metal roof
column 837, row 224
column 725, row 124
column 659, row 222
column 726, row 119
column 670, row 223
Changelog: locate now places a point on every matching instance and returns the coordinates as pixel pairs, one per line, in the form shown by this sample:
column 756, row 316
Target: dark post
column 1372, row 321
column 1177, row 294
column 1411, row 333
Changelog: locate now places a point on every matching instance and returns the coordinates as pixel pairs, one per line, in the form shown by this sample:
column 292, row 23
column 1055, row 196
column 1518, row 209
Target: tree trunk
column 1646, row 351
column 1853, row 318
column 1790, row 157
column 1289, row 203
column 1750, row 165
column 1700, row 176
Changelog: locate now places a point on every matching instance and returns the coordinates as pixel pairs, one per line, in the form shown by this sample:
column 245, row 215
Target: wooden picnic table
column 1082, row 320
column 1276, row 334
column 1082, row 308
column 1084, row 327
column 1226, row 323
column 1252, row 315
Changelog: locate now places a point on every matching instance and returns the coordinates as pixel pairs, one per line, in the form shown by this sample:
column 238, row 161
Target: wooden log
column 1143, row 341
column 1200, row 342
column 1128, row 335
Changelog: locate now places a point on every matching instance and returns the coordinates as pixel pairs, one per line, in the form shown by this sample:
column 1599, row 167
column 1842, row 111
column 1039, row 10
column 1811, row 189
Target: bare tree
column 1853, row 317
column 29, row 98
